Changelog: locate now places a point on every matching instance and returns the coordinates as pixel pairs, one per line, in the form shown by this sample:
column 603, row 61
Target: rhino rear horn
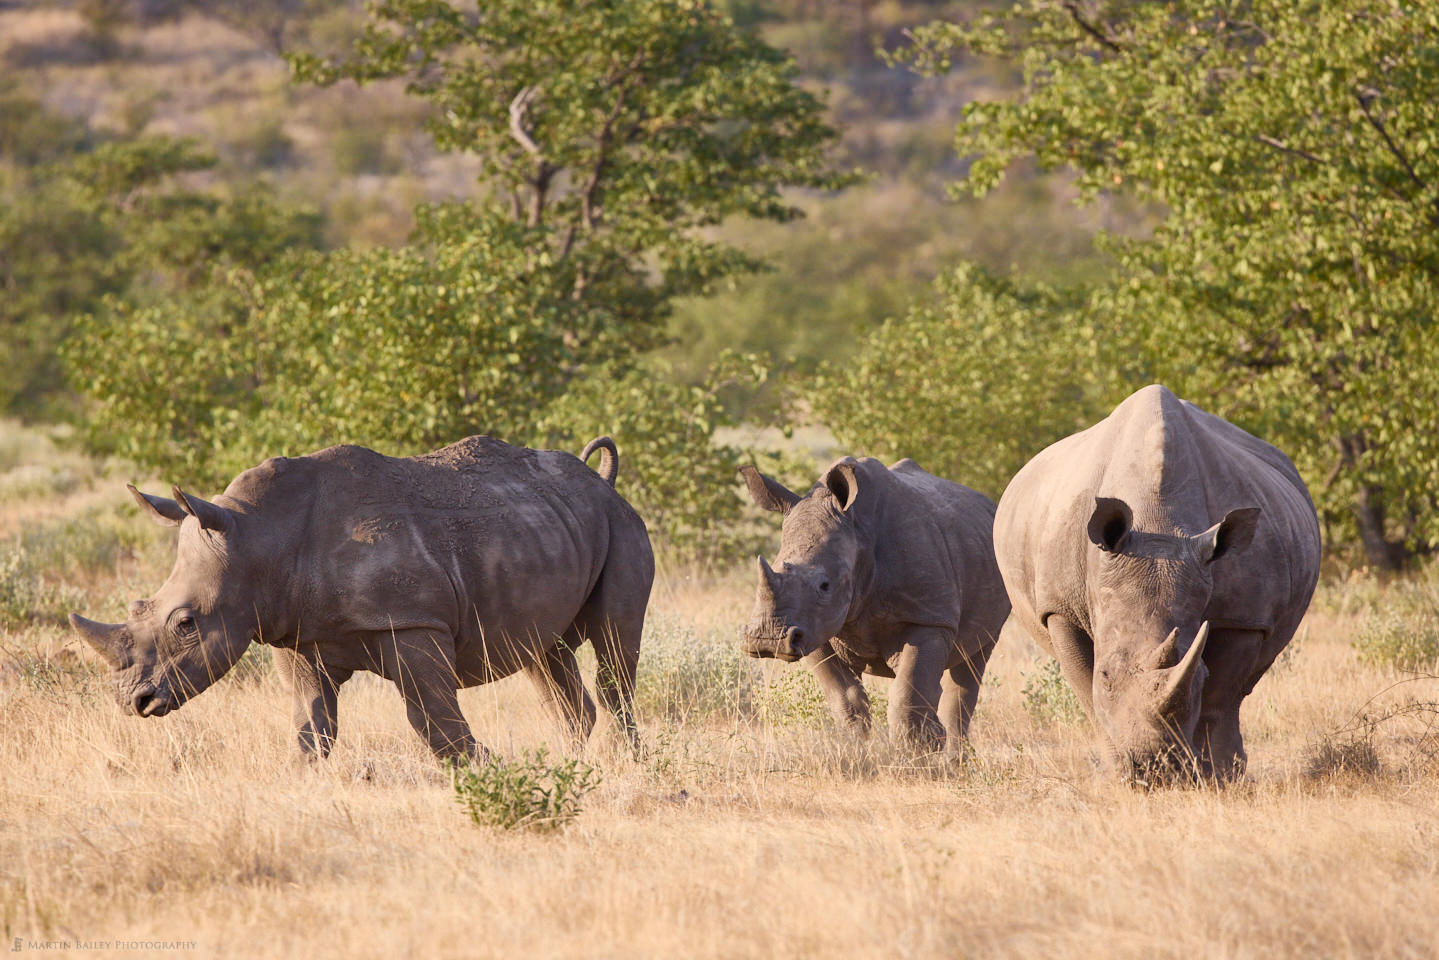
column 212, row 516
column 1183, row 674
column 105, row 638
column 166, row 513
column 1232, row 533
column 768, row 492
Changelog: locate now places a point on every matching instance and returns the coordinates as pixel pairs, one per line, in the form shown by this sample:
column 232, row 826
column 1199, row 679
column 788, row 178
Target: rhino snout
column 786, row 645
column 149, row 702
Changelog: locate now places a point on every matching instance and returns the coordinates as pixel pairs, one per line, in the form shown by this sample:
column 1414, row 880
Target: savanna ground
column 749, row 828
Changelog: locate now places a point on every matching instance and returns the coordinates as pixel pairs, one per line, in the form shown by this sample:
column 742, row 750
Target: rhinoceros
column 887, row 571
column 1165, row 557
column 446, row 570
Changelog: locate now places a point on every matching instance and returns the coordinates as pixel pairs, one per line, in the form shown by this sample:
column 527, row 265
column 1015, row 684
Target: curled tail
column 609, row 466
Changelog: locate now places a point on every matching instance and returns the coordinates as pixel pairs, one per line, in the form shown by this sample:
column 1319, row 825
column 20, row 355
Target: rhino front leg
column 421, row 663
column 1074, row 650
column 843, row 691
column 315, row 697
column 915, row 693
column 1233, row 660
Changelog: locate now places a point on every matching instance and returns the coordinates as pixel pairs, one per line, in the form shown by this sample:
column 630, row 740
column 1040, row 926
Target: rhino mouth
column 773, row 640
column 148, row 701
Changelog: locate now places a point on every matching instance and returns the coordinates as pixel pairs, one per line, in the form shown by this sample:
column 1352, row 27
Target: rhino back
column 933, row 550
column 479, row 538
column 1180, row 469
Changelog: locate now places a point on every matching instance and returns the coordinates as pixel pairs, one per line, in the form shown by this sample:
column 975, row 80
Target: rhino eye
column 824, row 586
column 185, row 625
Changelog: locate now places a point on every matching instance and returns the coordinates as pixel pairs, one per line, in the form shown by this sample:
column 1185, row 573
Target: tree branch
column 1281, row 145
column 1103, row 36
column 1366, row 96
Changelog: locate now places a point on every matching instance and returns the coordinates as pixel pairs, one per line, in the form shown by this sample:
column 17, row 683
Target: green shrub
column 1048, row 696
column 531, row 792
column 1406, row 641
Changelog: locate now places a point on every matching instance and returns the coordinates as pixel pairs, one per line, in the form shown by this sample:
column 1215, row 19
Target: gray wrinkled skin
column 888, row 571
column 1165, row 557
column 436, row 572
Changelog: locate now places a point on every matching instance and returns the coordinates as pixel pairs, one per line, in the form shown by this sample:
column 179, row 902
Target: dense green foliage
column 609, row 135
column 82, row 221
column 971, row 383
column 1293, row 284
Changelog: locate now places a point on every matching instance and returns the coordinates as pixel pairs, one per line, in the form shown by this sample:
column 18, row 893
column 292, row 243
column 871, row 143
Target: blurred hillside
column 117, row 69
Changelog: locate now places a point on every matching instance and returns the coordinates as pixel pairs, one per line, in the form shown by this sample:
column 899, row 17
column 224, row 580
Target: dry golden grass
column 733, row 837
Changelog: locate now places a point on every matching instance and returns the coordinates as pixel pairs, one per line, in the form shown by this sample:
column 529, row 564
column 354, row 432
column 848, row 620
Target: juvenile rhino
column 1165, row 557
column 889, row 572
column 450, row 569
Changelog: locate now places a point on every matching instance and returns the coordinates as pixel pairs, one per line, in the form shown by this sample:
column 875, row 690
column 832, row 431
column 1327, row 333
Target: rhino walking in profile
column 446, row 570
column 888, row 571
column 1165, row 557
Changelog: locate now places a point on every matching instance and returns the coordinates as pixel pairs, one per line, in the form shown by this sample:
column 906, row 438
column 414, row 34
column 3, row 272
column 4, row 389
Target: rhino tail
column 609, row 466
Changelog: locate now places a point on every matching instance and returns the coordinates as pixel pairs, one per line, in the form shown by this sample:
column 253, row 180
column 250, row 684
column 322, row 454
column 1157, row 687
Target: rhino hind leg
column 1233, row 658
column 556, row 675
column 958, row 697
column 315, row 691
column 613, row 621
column 421, row 663
column 915, row 693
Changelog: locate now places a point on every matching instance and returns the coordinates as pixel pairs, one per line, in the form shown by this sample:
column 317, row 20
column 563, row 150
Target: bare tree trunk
column 1381, row 552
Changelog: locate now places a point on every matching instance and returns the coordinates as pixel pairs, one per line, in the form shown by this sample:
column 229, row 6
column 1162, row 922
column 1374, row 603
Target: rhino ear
column 1232, row 533
column 843, row 483
column 1110, row 523
column 212, row 516
column 768, row 492
column 166, row 513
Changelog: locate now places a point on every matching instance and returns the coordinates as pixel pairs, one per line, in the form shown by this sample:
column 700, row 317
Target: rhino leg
column 421, row 663
column 958, row 697
column 613, row 620
column 315, row 692
column 1233, row 660
column 556, row 675
column 914, row 695
column 843, row 691
column 1074, row 650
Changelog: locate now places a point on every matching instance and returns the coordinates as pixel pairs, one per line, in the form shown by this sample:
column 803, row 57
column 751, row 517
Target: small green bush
column 1048, row 697
column 531, row 792
column 1407, row 641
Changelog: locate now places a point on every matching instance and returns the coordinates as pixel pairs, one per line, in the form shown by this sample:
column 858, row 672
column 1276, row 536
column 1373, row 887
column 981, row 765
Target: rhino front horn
column 766, row 576
column 1183, row 674
column 104, row 637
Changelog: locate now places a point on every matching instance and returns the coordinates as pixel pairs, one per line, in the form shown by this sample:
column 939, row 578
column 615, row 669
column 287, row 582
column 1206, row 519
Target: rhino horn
column 165, row 512
column 212, row 516
column 1183, row 674
column 767, row 577
column 104, row 637
column 1168, row 653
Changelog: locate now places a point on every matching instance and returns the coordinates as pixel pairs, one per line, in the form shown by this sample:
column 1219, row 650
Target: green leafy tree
column 1293, row 284
column 610, row 136
column 80, row 222
column 615, row 131
column 970, row 383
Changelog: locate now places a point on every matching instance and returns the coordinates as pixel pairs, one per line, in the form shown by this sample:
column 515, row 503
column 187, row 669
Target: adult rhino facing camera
column 1165, row 557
